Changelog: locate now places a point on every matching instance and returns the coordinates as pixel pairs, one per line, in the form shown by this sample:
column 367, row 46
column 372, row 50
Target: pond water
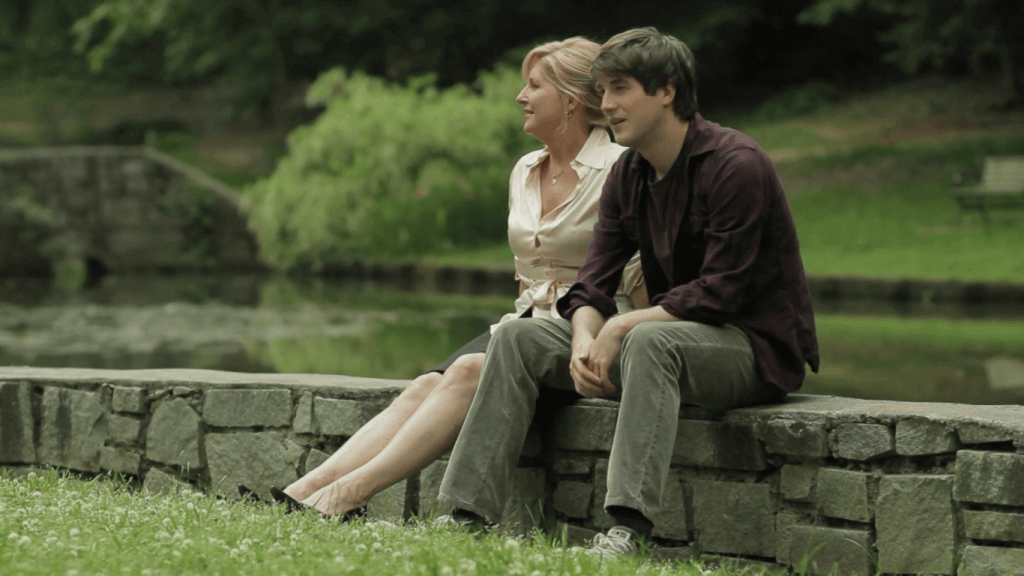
column 250, row 324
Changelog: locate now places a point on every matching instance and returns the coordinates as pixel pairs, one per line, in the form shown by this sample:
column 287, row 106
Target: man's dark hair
column 655, row 60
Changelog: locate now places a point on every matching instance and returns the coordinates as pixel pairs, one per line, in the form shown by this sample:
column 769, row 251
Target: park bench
column 1002, row 186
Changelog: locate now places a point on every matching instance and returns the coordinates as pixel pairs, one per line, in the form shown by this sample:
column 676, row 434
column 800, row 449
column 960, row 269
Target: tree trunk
column 1010, row 18
column 279, row 104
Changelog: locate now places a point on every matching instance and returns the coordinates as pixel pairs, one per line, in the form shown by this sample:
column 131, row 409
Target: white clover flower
column 360, row 547
column 24, row 541
column 13, row 536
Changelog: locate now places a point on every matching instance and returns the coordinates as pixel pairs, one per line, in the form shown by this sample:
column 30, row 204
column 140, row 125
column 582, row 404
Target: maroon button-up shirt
column 717, row 246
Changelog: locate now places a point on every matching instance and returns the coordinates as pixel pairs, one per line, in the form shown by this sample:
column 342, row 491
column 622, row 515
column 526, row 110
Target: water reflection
column 927, row 352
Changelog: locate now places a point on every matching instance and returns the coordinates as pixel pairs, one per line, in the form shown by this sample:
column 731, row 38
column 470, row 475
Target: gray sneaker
column 618, row 541
column 453, row 522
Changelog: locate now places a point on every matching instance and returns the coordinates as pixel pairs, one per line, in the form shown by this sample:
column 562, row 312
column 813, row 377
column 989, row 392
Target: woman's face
column 544, row 106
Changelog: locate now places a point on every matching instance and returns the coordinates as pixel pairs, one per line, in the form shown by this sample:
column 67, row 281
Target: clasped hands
column 592, row 357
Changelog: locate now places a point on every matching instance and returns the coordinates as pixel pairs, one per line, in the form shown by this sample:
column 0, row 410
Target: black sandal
column 249, row 494
column 296, row 506
column 293, row 505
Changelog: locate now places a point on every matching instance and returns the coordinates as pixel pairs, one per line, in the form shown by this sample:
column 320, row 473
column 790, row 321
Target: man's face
column 634, row 115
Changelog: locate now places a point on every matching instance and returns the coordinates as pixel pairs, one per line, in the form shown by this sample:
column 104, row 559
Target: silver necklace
column 554, row 179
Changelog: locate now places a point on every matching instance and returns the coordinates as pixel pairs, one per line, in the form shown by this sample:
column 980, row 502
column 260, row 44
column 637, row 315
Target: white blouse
column 550, row 250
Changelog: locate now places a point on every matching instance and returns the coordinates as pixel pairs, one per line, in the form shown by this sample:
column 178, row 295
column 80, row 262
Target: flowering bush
column 392, row 170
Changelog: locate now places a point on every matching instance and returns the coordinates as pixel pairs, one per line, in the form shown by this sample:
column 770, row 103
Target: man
column 730, row 322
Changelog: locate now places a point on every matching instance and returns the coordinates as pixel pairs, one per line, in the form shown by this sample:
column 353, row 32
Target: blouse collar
column 592, row 154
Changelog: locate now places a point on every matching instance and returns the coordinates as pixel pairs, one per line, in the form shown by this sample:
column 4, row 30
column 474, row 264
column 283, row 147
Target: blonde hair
column 567, row 64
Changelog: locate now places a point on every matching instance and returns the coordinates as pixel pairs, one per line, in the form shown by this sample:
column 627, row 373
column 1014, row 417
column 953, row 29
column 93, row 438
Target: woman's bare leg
column 369, row 440
column 430, row 431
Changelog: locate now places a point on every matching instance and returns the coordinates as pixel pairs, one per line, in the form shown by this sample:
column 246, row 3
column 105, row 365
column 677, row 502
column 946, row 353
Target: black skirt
column 477, row 345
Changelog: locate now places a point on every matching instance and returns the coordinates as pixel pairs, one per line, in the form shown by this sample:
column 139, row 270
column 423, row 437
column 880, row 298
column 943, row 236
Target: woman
column 553, row 199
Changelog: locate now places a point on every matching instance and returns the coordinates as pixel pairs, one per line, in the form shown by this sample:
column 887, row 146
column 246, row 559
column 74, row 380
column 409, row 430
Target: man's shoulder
column 628, row 163
column 724, row 144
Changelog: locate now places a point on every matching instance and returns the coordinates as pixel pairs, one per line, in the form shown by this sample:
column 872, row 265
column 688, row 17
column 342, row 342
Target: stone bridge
column 116, row 209
column 836, row 484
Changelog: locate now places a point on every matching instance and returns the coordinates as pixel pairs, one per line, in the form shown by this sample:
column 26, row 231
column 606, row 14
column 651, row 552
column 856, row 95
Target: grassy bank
column 883, row 210
column 58, row 525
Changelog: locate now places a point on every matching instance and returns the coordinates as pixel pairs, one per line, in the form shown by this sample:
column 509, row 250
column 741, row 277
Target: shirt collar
column 591, row 155
column 703, row 140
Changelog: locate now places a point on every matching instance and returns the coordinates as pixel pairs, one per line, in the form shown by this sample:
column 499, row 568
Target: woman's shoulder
column 600, row 151
column 527, row 160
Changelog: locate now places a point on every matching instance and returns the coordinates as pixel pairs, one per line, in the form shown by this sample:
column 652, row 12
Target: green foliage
column 34, row 37
column 810, row 98
column 942, row 35
column 389, row 169
column 236, row 41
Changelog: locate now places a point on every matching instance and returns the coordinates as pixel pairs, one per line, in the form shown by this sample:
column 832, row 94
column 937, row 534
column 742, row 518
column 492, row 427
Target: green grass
column 52, row 524
column 911, row 232
column 944, row 335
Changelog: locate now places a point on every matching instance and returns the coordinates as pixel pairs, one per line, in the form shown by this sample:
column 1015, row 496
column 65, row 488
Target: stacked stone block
column 818, row 484
column 127, row 208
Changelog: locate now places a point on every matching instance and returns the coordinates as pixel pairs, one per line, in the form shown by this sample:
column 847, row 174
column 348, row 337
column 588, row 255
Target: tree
column 240, row 40
column 264, row 46
column 943, row 34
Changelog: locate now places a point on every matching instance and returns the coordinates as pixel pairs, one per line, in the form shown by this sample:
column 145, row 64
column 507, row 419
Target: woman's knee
column 419, row 388
column 517, row 330
column 462, row 376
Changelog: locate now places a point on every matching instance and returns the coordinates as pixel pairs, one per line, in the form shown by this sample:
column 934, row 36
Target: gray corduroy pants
column 661, row 365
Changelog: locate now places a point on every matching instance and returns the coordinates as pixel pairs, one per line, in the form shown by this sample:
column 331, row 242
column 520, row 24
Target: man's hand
column 596, row 344
column 588, row 383
column 586, row 323
column 605, row 349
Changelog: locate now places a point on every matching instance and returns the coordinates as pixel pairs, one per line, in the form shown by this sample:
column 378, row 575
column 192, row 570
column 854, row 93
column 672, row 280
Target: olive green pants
column 661, row 366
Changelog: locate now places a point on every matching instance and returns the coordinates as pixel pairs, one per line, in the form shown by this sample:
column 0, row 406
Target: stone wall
column 117, row 209
column 830, row 484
